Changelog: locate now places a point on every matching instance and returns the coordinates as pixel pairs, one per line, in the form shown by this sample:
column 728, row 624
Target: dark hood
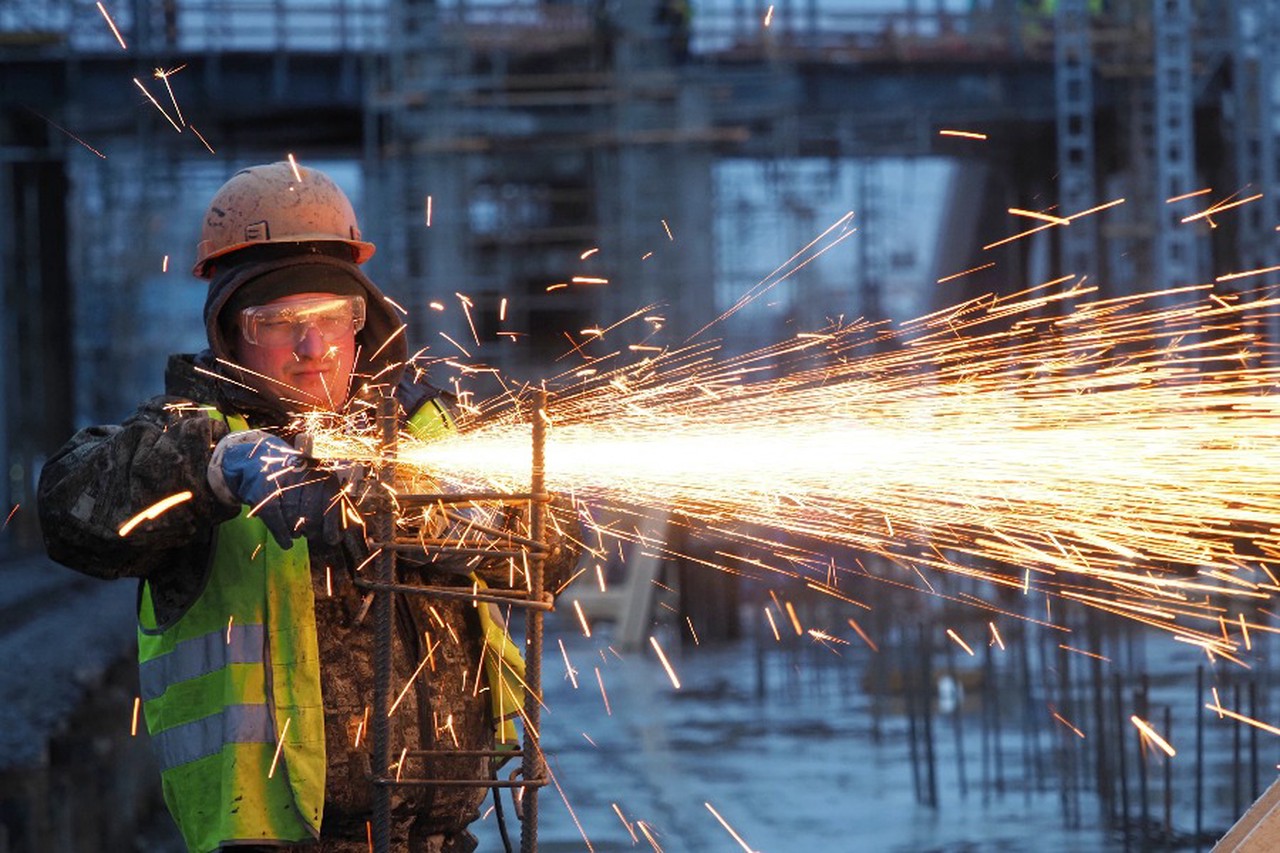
column 200, row 378
column 381, row 356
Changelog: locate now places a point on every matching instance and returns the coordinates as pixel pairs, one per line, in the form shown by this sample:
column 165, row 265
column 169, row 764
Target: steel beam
column 1073, row 84
column 1177, row 260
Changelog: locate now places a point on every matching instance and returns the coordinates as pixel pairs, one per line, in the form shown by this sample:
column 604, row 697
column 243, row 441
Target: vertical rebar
column 532, row 751
column 1066, row 757
column 384, row 565
column 1168, row 781
column 1102, row 764
column 879, row 685
column 1030, row 736
column 1199, row 755
column 1142, row 704
column 986, row 728
column 1254, row 769
column 957, row 722
column 997, row 728
column 926, row 662
column 1118, row 698
column 1237, row 733
column 908, row 680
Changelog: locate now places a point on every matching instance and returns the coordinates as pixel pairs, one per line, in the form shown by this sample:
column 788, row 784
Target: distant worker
column 1038, row 18
column 674, row 19
column 1049, row 8
column 604, row 32
column 170, row 13
column 255, row 650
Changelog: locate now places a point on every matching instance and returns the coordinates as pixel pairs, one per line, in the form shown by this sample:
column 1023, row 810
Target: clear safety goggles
column 286, row 325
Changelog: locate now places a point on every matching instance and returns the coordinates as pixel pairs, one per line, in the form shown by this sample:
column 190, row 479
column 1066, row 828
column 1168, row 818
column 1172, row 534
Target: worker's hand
column 291, row 495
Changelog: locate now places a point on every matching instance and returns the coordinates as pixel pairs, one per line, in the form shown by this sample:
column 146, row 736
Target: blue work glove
column 291, row 495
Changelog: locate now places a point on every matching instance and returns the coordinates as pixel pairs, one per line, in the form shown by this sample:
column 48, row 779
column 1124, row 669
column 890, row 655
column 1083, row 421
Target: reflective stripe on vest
column 231, row 692
column 208, row 735
column 200, row 656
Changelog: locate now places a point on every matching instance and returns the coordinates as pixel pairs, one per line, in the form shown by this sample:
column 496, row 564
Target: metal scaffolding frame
column 1177, row 252
column 872, row 253
column 1255, row 139
column 1073, row 84
column 1256, row 30
column 385, row 587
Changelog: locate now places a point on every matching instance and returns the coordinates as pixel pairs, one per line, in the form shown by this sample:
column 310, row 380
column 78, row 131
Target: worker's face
column 302, row 347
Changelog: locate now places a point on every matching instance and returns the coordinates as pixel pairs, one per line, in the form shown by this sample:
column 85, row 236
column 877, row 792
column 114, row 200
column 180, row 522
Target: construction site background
column 489, row 147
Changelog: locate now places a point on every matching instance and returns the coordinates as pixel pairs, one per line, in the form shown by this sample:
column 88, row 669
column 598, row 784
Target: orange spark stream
column 1119, row 452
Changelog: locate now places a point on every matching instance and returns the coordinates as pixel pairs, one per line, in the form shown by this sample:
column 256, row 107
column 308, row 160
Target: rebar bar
column 409, row 499
column 1118, row 696
column 517, row 598
column 532, row 757
column 417, row 548
column 382, row 526
column 1199, row 789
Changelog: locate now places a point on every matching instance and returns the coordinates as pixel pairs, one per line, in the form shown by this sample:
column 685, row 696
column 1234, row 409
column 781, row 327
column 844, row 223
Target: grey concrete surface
column 59, row 633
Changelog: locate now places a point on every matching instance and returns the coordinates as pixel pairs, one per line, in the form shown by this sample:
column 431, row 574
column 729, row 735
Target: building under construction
column 494, row 146
column 532, row 171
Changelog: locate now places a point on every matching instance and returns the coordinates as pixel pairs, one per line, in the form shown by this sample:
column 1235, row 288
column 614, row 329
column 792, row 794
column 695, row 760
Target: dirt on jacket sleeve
column 106, row 475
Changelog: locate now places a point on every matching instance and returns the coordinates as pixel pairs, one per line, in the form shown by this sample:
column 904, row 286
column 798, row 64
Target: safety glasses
column 286, row 325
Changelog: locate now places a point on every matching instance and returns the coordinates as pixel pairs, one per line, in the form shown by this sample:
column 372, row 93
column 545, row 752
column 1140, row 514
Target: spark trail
column 1118, row 452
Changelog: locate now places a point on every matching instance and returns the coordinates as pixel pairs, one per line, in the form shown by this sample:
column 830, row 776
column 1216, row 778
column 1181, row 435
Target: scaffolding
column 1178, row 250
column 509, row 140
column 1073, row 86
column 1257, row 142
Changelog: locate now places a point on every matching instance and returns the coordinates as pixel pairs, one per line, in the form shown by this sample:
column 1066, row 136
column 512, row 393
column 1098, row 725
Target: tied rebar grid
column 385, row 587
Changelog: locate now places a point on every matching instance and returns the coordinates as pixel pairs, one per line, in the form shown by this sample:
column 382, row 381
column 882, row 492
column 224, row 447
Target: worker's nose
column 312, row 345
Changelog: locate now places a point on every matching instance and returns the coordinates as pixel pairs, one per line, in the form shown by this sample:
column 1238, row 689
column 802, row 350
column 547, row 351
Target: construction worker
column 256, row 651
column 674, row 21
column 1049, row 8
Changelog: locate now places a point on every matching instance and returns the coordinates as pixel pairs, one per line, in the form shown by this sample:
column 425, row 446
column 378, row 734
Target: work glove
column 288, row 492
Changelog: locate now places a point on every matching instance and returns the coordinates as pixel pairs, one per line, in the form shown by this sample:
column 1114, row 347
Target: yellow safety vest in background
column 503, row 665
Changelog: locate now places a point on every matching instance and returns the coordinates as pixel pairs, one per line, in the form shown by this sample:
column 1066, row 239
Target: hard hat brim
column 363, row 251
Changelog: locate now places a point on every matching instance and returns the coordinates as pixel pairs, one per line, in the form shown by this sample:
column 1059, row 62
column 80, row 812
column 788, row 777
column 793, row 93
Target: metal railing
column 821, row 28
column 310, row 26
column 198, row 26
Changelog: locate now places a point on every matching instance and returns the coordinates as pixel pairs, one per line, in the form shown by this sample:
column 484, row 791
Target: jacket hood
column 381, row 345
column 198, row 377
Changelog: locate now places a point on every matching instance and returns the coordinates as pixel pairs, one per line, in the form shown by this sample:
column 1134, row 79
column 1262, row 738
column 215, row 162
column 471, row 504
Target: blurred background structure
column 492, row 146
column 531, row 132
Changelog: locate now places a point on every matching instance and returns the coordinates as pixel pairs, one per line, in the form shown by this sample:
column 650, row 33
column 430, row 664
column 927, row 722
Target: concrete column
column 35, row 332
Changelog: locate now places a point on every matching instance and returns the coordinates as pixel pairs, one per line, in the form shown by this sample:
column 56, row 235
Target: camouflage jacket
column 106, row 474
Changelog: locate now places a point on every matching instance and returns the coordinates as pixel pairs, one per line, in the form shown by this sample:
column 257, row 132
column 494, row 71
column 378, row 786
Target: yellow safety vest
column 239, row 670
column 231, row 694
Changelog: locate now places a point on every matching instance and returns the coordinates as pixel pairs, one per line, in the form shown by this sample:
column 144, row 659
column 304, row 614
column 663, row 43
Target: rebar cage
column 383, row 508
